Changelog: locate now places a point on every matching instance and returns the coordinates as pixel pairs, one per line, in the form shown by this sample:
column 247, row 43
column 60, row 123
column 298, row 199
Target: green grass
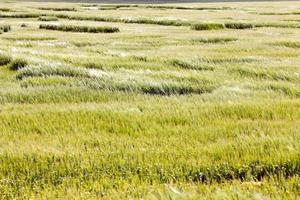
column 23, row 25
column 57, row 9
column 74, row 28
column 5, row 28
column 289, row 44
column 5, row 9
column 47, row 18
column 116, row 6
column 114, row 81
column 18, row 64
column 107, row 8
column 193, row 65
column 127, row 21
column 267, row 74
column 44, row 71
column 218, row 26
column 155, row 111
column 21, row 15
column 207, row 26
column 280, row 13
column 141, row 20
column 215, row 40
column 4, row 60
column 29, row 38
column 239, row 25
column 277, row 25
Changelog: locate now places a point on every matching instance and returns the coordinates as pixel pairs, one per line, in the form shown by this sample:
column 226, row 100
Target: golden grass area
column 157, row 110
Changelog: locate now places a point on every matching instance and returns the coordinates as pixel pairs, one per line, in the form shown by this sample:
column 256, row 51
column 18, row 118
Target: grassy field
column 176, row 101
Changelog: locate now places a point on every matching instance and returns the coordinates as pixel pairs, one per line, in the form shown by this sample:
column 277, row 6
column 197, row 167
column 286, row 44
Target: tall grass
column 14, row 64
column 107, row 8
column 21, row 15
column 5, row 9
column 24, row 25
column 217, row 26
column 18, row 64
column 277, row 25
column 125, row 20
column 116, row 6
column 57, row 9
column 114, row 81
column 5, row 28
column 213, row 40
column 164, row 22
column 193, row 64
column 46, row 71
column 152, row 87
column 29, row 38
column 4, row 59
column 128, row 21
column 157, row 22
column 289, row 44
column 267, row 74
column 207, row 26
column 76, row 28
column 184, row 7
column 155, row 112
column 47, row 18
column 279, row 13
column 234, row 25
column 89, row 5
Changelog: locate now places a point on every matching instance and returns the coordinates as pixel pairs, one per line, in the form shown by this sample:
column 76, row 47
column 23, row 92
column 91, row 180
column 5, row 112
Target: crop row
column 75, row 28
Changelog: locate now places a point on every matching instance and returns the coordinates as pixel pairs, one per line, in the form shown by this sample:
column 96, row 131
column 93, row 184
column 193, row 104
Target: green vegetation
column 127, row 20
column 44, row 71
column 23, row 25
column 193, row 24
column 108, row 8
column 74, row 28
column 155, row 111
column 288, row 44
column 18, row 64
column 185, row 7
column 207, row 26
column 217, row 26
column 47, row 18
column 215, row 40
column 57, row 9
column 280, row 13
column 116, row 6
column 194, row 64
column 5, row 28
column 238, row 25
column 14, row 64
column 4, row 60
column 278, row 25
column 5, row 9
column 21, row 15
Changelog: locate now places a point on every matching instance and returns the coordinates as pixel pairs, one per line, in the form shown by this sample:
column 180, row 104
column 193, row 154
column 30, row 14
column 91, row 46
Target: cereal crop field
column 150, row 101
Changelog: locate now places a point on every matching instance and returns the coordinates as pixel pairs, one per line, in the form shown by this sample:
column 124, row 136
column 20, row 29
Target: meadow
column 137, row 101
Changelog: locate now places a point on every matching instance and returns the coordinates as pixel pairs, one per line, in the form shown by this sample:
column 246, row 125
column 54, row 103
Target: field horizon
column 153, row 1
